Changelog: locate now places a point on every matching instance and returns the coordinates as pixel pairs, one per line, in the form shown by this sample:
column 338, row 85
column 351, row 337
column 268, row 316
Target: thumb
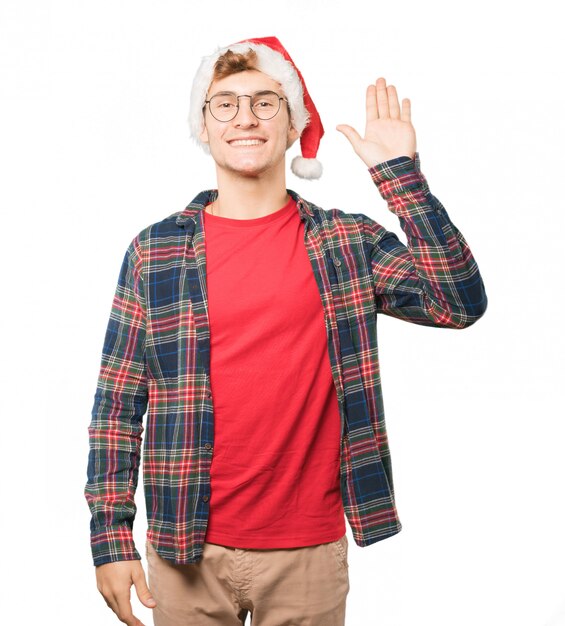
column 350, row 133
column 142, row 590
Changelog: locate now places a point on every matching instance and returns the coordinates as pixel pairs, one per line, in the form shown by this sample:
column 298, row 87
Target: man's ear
column 292, row 136
column 204, row 133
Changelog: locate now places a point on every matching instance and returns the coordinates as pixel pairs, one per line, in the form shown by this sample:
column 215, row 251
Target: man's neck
column 246, row 198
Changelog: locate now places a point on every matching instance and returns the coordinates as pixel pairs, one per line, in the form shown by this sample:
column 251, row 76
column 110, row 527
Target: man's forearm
column 434, row 280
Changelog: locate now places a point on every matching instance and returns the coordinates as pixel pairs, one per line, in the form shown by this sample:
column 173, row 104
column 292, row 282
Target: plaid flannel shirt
column 156, row 356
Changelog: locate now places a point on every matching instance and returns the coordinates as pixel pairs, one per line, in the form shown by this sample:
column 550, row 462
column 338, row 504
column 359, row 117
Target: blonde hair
column 233, row 62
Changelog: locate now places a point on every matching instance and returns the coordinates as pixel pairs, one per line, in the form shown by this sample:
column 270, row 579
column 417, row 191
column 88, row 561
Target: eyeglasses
column 224, row 106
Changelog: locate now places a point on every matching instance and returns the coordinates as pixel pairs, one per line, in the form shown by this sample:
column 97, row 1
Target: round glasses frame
column 251, row 104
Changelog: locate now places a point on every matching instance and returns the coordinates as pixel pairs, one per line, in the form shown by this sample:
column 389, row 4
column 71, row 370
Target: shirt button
column 336, row 261
column 208, row 446
column 205, row 498
column 209, row 395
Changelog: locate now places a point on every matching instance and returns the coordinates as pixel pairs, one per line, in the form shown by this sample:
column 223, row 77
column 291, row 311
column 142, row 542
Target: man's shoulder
column 155, row 240
column 174, row 224
column 346, row 222
column 161, row 228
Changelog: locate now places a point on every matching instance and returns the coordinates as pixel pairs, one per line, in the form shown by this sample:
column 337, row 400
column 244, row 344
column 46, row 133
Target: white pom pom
column 306, row 168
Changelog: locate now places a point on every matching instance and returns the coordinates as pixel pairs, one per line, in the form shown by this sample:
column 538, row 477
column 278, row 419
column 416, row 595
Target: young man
column 246, row 324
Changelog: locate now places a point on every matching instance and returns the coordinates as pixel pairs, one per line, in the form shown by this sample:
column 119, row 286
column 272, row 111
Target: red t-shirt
column 275, row 464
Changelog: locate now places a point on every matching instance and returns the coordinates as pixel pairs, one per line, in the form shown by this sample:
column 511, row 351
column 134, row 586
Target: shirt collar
column 209, row 195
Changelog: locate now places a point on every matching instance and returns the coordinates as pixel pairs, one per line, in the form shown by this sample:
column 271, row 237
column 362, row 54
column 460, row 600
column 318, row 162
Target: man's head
column 260, row 57
column 247, row 124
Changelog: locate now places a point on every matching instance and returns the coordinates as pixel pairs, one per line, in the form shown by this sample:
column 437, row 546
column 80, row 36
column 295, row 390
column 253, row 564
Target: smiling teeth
column 247, row 142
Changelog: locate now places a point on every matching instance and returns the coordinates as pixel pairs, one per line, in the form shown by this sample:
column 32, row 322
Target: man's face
column 271, row 138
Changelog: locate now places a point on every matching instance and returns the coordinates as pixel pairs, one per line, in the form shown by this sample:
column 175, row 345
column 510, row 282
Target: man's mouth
column 246, row 142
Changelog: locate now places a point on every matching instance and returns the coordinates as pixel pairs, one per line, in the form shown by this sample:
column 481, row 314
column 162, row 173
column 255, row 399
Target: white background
column 95, row 146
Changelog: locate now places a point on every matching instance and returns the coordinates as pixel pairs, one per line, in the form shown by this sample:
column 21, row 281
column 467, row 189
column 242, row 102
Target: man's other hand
column 114, row 581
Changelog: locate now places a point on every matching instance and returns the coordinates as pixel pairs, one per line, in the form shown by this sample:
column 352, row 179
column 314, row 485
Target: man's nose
column 244, row 115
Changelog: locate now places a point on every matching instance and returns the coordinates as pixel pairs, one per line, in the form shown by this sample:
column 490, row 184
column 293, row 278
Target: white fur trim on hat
column 306, row 168
column 269, row 62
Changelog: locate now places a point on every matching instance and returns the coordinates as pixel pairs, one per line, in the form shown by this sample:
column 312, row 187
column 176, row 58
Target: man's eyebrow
column 224, row 93
column 232, row 93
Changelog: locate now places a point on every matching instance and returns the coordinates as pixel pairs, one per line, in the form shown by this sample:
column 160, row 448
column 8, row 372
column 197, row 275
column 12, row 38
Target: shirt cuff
column 113, row 543
column 395, row 168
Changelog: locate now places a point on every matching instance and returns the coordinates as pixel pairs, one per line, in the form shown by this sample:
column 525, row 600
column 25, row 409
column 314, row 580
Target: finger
column 111, row 602
column 382, row 98
column 371, row 103
column 350, row 133
column 142, row 589
column 406, row 110
column 394, row 107
column 125, row 613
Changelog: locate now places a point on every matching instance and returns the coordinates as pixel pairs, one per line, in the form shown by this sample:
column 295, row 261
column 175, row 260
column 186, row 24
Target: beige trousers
column 304, row 586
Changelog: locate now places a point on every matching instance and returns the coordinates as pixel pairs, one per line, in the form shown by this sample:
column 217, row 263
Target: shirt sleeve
column 434, row 280
column 116, row 427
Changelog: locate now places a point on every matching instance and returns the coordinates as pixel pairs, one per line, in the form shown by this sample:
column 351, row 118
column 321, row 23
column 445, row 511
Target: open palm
column 388, row 131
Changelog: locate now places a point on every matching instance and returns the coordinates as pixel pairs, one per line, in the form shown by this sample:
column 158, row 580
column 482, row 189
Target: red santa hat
column 273, row 60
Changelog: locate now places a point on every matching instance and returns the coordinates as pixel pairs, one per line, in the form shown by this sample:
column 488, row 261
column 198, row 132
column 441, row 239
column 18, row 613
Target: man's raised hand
column 388, row 130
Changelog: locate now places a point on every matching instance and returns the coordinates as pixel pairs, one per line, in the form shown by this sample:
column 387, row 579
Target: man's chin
column 250, row 171
column 251, row 168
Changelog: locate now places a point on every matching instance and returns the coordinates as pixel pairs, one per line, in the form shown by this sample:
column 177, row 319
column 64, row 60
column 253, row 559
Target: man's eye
column 263, row 104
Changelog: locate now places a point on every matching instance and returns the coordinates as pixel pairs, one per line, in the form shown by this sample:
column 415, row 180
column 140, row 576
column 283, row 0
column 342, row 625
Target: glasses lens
column 265, row 105
column 223, row 106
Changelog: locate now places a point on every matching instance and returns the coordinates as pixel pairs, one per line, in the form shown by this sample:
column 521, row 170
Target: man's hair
column 233, row 62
